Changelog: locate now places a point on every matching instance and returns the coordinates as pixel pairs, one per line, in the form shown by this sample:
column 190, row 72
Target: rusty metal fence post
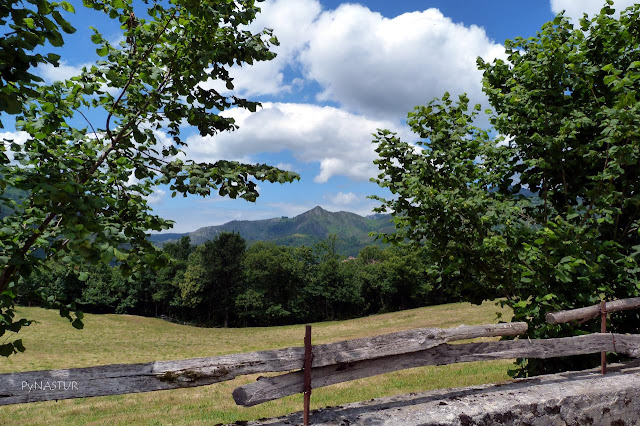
column 603, row 329
column 308, row 359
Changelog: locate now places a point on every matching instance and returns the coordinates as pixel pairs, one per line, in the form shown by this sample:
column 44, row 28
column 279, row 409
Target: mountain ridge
column 307, row 228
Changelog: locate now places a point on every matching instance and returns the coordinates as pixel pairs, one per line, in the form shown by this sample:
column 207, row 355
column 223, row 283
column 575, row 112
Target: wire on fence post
column 603, row 329
column 308, row 358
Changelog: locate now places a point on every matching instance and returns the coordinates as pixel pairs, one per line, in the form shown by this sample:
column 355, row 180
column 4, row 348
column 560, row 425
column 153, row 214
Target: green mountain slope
column 307, row 228
column 12, row 194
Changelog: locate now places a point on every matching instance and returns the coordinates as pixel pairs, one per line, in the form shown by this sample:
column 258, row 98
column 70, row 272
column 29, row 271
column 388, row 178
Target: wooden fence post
column 603, row 329
column 308, row 358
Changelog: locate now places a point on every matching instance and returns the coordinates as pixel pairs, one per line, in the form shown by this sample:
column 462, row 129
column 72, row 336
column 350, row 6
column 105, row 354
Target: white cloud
column 365, row 61
column 342, row 198
column 133, row 180
column 291, row 22
column 338, row 140
column 19, row 137
column 575, row 8
column 117, row 39
column 156, row 196
column 285, row 166
column 384, row 67
column 62, row 72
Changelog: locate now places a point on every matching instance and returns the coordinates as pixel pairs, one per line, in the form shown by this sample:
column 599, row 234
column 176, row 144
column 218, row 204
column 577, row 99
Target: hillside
column 12, row 194
column 110, row 339
column 307, row 229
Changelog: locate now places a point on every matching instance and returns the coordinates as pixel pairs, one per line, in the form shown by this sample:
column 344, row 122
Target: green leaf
column 66, row 27
column 68, row 7
column 120, row 255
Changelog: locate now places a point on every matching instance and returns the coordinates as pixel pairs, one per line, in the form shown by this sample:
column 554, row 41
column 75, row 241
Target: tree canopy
column 543, row 208
column 219, row 283
column 28, row 28
column 86, row 180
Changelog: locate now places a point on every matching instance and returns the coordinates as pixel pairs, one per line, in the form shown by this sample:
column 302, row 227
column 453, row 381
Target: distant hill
column 307, row 229
column 13, row 194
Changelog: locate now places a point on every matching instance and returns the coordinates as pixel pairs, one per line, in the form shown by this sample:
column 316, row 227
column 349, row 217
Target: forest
column 225, row 282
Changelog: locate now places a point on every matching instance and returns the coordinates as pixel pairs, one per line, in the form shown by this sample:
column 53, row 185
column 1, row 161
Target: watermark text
column 45, row 385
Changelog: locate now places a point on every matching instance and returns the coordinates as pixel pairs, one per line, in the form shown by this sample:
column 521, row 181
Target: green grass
column 109, row 339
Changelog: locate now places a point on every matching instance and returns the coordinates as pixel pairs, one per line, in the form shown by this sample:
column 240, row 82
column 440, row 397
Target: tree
column 445, row 204
column 81, row 202
column 196, row 279
column 272, row 278
column 332, row 294
column 213, row 278
column 166, row 291
column 546, row 215
column 405, row 280
column 228, row 250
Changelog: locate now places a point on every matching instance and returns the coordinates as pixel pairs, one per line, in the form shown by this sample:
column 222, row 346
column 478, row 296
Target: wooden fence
column 118, row 379
column 332, row 363
column 582, row 314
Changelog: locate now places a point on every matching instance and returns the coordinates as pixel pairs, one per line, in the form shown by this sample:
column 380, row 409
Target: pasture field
column 108, row 339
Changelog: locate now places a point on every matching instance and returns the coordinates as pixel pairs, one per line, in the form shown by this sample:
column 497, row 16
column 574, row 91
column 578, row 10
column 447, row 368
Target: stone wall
column 576, row 398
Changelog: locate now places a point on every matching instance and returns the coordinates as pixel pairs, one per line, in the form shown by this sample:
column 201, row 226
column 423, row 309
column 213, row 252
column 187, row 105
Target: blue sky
column 343, row 70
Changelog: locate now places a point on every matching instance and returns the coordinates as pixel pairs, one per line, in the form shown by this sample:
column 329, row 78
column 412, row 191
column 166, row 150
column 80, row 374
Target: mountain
column 13, row 194
column 307, row 229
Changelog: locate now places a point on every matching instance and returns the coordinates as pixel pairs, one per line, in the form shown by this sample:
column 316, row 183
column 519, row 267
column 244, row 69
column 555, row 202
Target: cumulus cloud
column 285, row 166
column 7, row 138
column 576, row 8
column 64, row 71
column 338, row 140
column 59, row 73
column 156, row 196
column 342, row 198
column 291, row 22
column 384, row 67
column 364, row 61
column 19, row 137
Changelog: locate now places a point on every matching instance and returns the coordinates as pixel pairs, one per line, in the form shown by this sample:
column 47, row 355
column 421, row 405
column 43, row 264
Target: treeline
column 225, row 283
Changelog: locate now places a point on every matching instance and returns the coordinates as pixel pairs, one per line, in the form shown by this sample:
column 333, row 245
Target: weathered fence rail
column 270, row 388
column 118, row 379
column 589, row 312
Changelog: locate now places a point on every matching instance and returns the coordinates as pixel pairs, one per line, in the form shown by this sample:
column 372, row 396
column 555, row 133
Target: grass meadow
column 108, row 339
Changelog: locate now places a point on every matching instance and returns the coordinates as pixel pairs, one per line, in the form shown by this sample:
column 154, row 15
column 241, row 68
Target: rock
column 573, row 398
